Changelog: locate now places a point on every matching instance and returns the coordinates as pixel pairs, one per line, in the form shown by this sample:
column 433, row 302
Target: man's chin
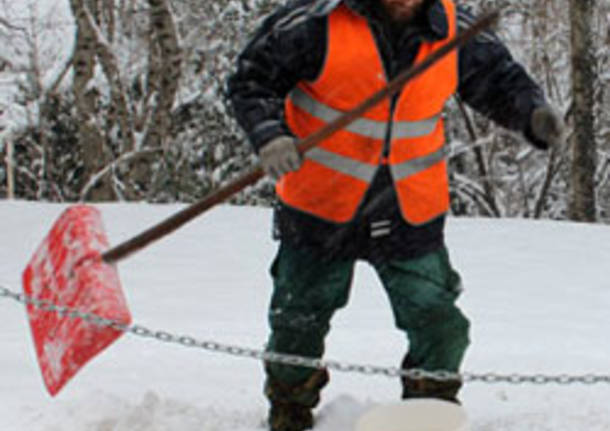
column 401, row 15
column 398, row 11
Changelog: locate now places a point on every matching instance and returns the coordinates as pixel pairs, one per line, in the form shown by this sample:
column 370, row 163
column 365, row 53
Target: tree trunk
column 164, row 71
column 90, row 135
column 10, row 171
column 582, row 205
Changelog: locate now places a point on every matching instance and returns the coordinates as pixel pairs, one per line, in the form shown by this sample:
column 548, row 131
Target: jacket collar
column 434, row 19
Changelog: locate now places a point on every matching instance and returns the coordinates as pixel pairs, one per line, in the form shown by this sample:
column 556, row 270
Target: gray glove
column 279, row 156
column 547, row 126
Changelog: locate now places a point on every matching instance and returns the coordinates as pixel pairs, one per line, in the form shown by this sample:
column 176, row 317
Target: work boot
column 428, row 388
column 291, row 405
column 289, row 417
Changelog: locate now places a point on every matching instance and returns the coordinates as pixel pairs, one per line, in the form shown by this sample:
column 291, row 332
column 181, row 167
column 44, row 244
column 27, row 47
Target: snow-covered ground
column 538, row 295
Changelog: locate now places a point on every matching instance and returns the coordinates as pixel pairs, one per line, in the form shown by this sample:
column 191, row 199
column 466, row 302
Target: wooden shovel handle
column 175, row 221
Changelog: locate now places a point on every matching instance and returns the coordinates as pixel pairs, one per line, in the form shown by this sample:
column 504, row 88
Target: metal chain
column 188, row 341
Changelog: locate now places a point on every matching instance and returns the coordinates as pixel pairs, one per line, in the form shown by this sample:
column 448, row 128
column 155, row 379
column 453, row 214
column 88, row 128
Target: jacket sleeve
column 494, row 84
column 289, row 47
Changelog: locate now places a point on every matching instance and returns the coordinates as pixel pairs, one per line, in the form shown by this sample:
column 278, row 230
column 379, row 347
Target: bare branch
column 127, row 157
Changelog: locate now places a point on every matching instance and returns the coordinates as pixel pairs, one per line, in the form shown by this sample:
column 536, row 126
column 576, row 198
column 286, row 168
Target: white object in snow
column 422, row 414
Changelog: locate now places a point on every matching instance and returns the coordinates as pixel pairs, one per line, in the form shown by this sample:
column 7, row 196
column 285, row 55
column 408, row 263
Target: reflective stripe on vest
column 364, row 126
column 345, row 165
column 372, row 129
column 366, row 172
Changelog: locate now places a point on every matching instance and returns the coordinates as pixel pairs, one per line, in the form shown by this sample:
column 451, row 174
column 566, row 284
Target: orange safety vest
column 336, row 174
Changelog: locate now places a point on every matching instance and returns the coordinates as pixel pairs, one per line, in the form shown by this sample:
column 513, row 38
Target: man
column 376, row 191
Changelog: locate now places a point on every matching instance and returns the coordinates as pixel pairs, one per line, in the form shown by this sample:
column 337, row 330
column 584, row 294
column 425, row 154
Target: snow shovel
column 423, row 414
column 73, row 268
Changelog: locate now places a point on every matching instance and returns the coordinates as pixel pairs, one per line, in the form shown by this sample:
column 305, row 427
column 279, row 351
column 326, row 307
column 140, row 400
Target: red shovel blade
column 67, row 270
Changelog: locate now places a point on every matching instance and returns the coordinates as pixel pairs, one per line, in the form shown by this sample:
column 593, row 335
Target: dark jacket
column 290, row 46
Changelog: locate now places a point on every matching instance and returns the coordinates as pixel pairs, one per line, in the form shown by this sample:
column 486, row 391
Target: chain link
column 188, row 341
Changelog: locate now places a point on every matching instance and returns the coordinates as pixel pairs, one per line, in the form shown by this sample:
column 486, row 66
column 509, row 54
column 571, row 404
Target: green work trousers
column 308, row 289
